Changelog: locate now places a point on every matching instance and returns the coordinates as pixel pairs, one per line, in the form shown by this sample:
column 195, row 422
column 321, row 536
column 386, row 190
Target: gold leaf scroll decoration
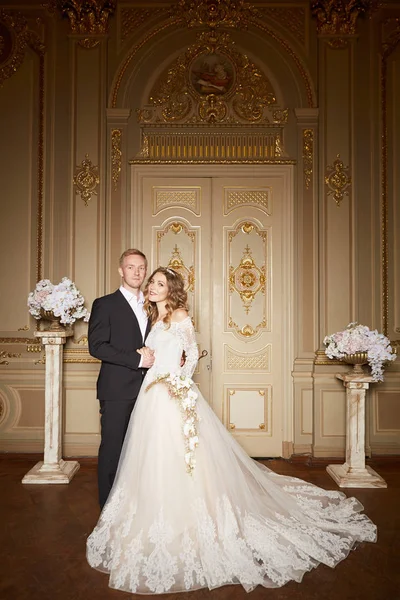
column 116, row 155
column 187, row 273
column 86, row 180
column 338, row 180
column 308, row 153
column 247, row 279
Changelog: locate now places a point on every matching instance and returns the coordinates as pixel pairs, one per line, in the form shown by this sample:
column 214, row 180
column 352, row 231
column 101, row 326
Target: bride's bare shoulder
column 179, row 315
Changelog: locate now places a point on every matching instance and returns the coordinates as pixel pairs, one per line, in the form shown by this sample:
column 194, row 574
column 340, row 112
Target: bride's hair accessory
column 170, row 271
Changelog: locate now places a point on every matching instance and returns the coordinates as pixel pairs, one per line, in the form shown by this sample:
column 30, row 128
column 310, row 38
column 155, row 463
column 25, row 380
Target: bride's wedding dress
column 183, row 516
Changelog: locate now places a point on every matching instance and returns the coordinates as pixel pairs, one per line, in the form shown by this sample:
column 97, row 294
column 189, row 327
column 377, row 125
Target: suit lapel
column 128, row 309
column 148, row 327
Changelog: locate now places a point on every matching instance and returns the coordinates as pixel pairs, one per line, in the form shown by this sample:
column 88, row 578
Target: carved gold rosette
column 247, row 290
column 86, row 180
column 247, row 279
column 338, row 180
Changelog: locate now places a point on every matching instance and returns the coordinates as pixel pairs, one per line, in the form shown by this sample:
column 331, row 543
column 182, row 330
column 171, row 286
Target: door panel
column 177, row 212
column 230, row 239
column 247, row 333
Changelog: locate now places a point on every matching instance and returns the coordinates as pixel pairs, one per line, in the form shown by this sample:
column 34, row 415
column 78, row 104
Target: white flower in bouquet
column 64, row 300
column 359, row 338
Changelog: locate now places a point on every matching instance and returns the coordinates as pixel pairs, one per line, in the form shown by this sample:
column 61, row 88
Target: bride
column 189, row 509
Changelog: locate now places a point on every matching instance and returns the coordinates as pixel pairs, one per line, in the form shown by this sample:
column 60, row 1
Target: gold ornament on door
column 247, row 279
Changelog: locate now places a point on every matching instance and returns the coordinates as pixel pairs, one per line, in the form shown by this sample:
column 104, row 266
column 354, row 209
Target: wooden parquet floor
column 44, row 530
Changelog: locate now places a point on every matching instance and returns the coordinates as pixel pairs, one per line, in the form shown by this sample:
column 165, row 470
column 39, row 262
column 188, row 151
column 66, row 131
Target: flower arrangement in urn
column 359, row 345
column 61, row 303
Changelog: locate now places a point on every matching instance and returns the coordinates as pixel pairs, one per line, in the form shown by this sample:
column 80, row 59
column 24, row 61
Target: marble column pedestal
column 53, row 469
column 354, row 472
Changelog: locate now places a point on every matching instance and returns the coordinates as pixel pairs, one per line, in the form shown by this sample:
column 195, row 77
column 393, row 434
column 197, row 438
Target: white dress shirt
column 136, row 303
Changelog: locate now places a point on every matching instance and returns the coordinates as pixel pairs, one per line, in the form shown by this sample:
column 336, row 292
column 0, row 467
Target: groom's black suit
column 114, row 338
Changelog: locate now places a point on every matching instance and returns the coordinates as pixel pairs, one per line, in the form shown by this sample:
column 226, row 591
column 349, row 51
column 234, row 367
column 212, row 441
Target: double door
column 227, row 230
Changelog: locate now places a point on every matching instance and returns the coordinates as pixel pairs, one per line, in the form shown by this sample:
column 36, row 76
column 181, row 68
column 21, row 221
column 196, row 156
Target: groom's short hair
column 129, row 252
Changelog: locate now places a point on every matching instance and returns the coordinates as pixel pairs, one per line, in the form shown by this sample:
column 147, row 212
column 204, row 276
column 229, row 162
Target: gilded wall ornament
column 280, row 116
column 212, row 82
column 187, row 273
column 4, row 355
column 308, row 156
column 337, row 19
column 214, row 13
column 86, row 180
column 247, row 330
column 180, row 144
column 116, row 155
column 176, row 227
column 338, row 180
column 81, row 341
column 247, row 279
column 88, row 43
column 13, row 43
column 87, row 17
column 173, row 21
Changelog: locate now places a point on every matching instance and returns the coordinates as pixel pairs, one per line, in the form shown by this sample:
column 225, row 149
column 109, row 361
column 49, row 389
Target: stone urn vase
column 358, row 359
column 54, row 322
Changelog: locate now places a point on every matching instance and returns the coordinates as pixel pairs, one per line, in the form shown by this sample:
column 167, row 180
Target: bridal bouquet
column 359, row 338
column 64, row 300
column 180, row 388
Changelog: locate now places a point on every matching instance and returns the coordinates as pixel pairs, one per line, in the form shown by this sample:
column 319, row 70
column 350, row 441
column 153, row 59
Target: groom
column 118, row 327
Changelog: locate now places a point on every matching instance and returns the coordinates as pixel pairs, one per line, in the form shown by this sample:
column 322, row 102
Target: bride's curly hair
column 177, row 296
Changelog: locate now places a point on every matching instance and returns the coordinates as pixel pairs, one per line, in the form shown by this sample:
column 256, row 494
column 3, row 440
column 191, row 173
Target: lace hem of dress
column 225, row 547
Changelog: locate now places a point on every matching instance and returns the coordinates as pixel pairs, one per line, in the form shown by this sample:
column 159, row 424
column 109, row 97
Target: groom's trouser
column 115, row 415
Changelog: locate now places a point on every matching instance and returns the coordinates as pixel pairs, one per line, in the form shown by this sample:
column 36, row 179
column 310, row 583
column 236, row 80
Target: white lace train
column 231, row 521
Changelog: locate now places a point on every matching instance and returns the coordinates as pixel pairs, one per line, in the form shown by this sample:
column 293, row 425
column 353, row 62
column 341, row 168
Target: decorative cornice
column 214, row 13
column 337, row 19
column 86, row 17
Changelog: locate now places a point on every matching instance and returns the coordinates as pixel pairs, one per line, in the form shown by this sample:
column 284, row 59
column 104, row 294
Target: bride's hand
column 145, row 351
column 148, row 356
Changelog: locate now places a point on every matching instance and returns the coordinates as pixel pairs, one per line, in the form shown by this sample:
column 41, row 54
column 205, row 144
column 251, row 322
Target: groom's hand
column 147, row 357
